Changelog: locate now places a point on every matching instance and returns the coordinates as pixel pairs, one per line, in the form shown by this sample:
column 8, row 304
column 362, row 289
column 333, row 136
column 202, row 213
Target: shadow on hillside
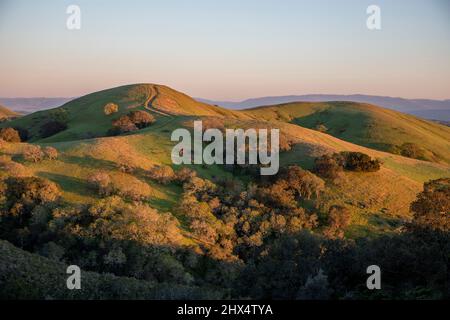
column 352, row 126
column 90, row 162
column 150, row 272
column 68, row 184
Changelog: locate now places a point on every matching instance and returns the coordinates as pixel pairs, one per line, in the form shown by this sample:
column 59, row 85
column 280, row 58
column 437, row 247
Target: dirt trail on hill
column 153, row 94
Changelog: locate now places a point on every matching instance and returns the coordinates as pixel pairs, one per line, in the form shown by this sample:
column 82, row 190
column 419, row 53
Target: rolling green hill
column 147, row 237
column 368, row 195
column 351, row 127
column 85, row 116
column 366, row 125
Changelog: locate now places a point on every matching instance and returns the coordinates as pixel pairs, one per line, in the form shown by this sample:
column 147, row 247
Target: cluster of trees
column 359, row 162
column 56, row 122
column 232, row 220
column 261, row 240
column 127, row 187
column 133, row 121
column 410, row 150
column 131, row 188
column 331, row 166
column 30, row 276
column 125, row 238
column 12, row 168
column 165, row 174
column 305, row 265
column 162, row 174
column 35, row 153
column 51, row 128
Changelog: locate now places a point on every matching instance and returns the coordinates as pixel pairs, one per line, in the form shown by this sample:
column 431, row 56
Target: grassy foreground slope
column 364, row 124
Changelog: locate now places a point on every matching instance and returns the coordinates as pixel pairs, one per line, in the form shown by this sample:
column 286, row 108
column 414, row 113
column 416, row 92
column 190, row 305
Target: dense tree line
column 266, row 239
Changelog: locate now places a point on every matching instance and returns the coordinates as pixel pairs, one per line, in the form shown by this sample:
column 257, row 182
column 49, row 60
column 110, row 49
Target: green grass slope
column 85, row 116
column 385, row 195
column 364, row 124
column 85, row 150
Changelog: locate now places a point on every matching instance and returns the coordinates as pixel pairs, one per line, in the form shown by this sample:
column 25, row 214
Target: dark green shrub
column 52, row 127
column 412, row 150
column 360, row 162
column 327, row 166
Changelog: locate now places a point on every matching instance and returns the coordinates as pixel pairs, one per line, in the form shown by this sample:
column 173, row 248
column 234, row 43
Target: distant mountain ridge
column 29, row 105
column 425, row 108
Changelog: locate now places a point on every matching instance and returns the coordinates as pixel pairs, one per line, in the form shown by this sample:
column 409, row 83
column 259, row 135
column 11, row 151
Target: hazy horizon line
column 246, row 99
column 233, row 100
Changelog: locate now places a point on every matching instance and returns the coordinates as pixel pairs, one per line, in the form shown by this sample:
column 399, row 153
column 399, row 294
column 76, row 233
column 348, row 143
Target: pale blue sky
column 231, row 49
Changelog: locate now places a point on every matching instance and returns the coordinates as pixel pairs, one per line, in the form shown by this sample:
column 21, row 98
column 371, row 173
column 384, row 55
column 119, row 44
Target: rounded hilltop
column 367, row 125
column 85, row 117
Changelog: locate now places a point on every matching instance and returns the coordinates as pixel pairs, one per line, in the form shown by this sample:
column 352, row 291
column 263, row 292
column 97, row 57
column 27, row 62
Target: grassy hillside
column 6, row 113
column 366, row 194
column 211, row 231
column 82, row 153
column 366, row 125
column 86, row 119
column 351, row 127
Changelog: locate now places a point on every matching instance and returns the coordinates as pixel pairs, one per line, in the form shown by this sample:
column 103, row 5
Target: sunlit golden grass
column 376, row 200
column 364, row 124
